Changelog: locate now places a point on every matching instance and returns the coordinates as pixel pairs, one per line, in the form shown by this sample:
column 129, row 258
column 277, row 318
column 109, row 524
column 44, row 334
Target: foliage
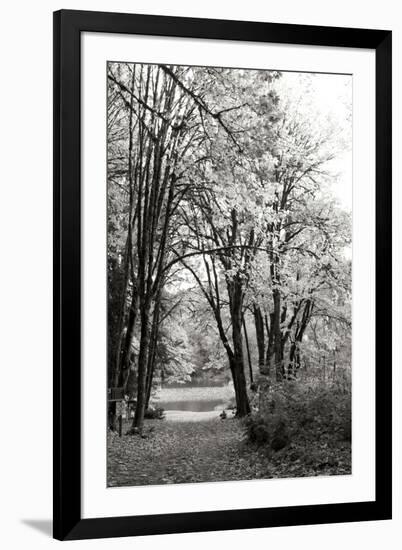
column 174, row 352
column 212, row 450
column 302, row 413
column 222, row 215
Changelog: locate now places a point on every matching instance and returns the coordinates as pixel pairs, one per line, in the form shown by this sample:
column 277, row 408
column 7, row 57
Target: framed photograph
column 222, row 274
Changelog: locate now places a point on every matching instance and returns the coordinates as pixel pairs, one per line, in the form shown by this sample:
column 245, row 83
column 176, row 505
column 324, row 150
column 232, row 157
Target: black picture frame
column 68, row 26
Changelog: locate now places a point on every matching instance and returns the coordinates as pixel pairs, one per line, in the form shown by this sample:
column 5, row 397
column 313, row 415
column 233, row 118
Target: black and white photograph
column 201, row 275
column 229, row 274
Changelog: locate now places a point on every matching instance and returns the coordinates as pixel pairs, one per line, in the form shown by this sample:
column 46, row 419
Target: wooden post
column 120, row 421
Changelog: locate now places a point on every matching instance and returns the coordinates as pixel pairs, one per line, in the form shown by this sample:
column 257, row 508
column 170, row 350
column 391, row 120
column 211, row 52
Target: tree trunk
column 264, row 356
column 294, row 354
column 259, row 331
column 240, row 387
column 128, row 340
column 142, row 367
column 236, row 301
column 270, row 345
column 149, row 388
column 277, row 356
column 294, row 359
column 122, row 362
column 152, row 352
column 250, row 367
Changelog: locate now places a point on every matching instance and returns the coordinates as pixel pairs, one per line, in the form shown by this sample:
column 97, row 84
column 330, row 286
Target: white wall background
column 26, row 271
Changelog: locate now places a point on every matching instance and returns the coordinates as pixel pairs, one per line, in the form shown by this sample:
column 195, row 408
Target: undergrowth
column 302, row 422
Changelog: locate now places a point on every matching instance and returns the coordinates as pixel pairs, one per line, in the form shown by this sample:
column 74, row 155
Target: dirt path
column 183, row 452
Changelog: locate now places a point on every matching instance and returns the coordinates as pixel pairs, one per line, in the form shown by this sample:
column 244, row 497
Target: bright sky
column 331, row 95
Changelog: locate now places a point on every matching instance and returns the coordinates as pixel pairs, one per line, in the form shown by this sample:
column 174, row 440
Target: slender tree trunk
column 157, row 150
column 264, row 356
column 128, row 340
column 121, row 362
column 294, row 359
column 240, row 387
column 149, row 388
column 236, row 301
column 294, row 354
column 277, row 337
column 270, row 345
column 250, row 367
column 260, row 336
column 120, row 323
column 152, row 352
column 235, row 355
column 142, row 366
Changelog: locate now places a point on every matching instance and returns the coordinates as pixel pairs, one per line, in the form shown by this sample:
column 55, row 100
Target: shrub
column 257, row 429
column 295, row 412
column 270, row 430
column 155, row 413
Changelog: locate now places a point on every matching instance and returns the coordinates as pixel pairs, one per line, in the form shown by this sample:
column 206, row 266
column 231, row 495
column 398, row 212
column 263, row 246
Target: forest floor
column 212, row 450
